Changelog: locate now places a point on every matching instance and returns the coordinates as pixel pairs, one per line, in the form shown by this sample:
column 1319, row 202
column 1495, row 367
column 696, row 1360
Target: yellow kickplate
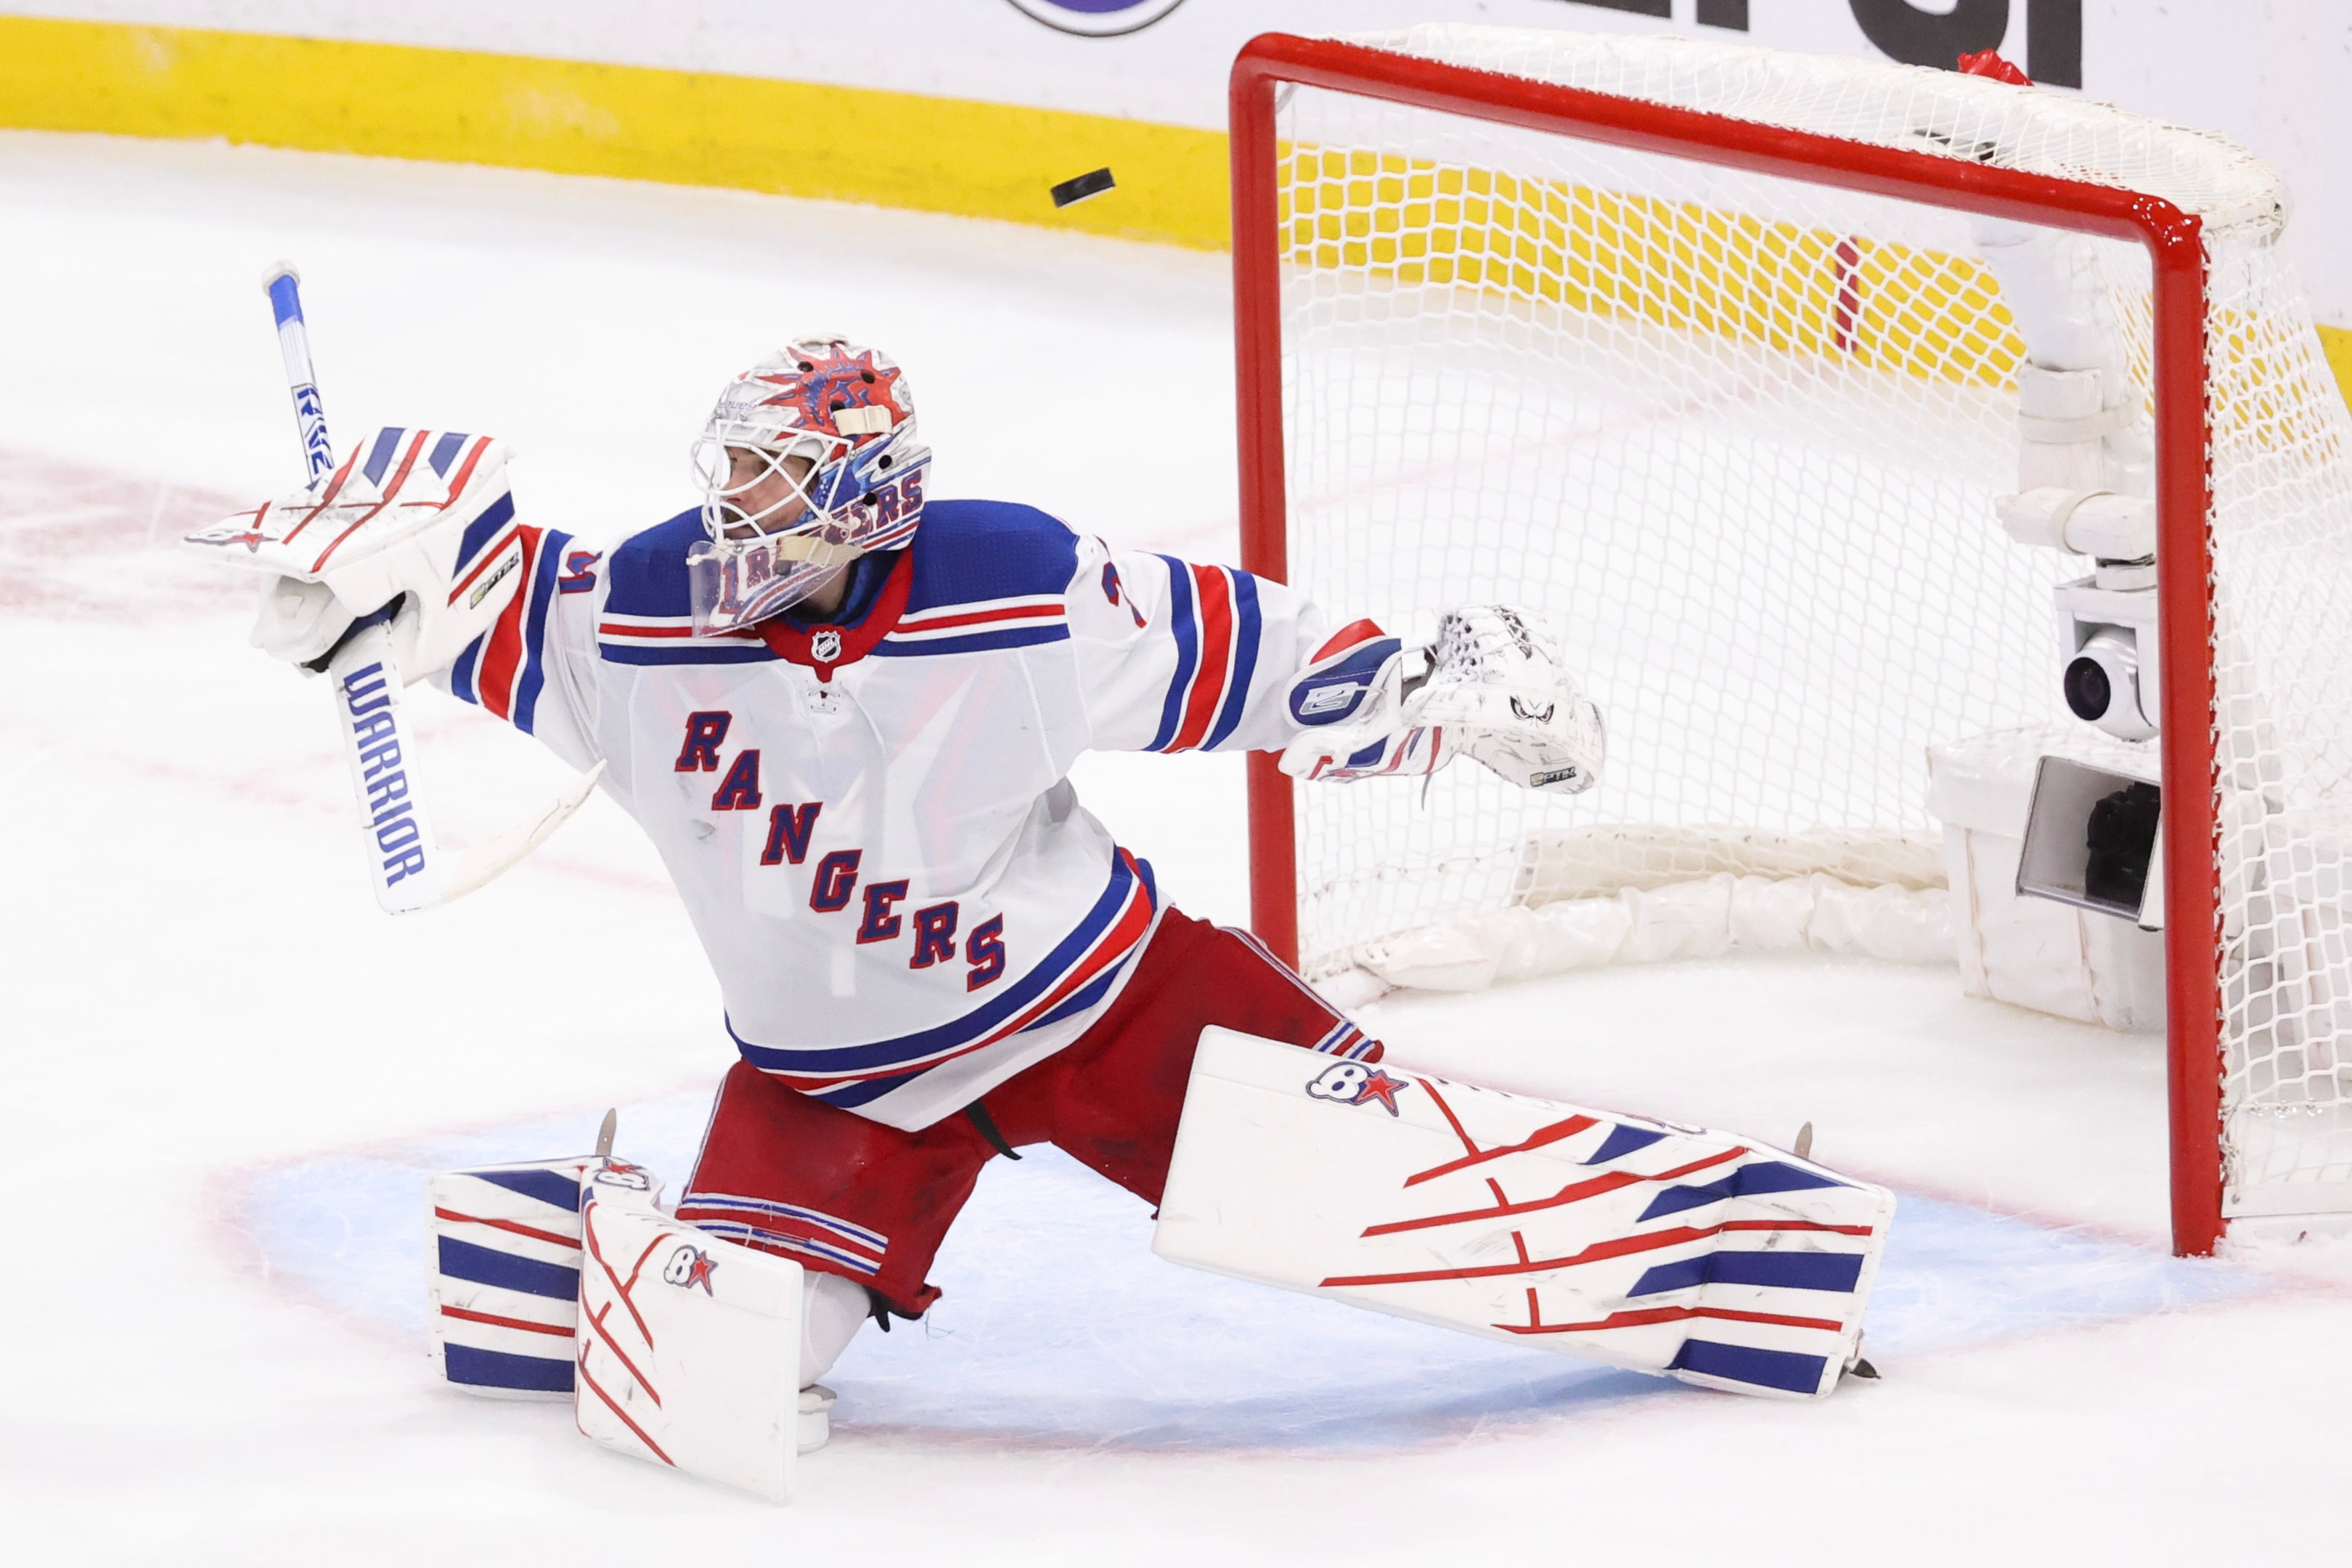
column 687, row 128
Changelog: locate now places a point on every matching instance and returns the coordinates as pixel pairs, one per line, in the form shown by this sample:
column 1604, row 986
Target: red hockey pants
column 837, row 1192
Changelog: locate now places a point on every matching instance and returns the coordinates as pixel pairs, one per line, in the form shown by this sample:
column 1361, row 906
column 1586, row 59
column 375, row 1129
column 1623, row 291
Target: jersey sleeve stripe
column 539, row 590
column 1214, row 594
column 502, row 654
column 1247, row 627
column 1181, row 626
column 461, row 674
column 506, row 670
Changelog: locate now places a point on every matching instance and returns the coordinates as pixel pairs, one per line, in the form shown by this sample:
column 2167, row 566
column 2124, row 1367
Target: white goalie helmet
column 808, row 462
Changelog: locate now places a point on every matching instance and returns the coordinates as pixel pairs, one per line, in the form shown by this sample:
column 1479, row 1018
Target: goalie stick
column 409, row 867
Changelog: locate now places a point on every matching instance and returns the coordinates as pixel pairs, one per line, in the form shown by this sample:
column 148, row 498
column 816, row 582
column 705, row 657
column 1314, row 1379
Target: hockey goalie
column 844, row 712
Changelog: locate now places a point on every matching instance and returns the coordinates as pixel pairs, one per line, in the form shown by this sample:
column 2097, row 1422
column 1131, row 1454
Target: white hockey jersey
column 871, row 824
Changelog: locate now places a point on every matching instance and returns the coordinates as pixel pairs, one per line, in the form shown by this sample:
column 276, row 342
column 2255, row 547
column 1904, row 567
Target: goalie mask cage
column 1696, row 348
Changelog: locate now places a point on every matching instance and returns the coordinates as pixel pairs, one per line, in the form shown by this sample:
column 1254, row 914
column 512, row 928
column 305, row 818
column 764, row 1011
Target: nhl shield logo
column 825, row 647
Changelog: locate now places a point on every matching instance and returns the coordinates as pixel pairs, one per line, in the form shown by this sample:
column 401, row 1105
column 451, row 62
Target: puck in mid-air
column 1070, row 191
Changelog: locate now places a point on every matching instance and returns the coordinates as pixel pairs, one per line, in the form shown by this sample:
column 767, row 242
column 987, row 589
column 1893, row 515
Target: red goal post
column 2171, row 239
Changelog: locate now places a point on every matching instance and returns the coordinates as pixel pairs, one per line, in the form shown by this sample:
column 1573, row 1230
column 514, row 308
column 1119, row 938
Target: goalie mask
column 808, row 462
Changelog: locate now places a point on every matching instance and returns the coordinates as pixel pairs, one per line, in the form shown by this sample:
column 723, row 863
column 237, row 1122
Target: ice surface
column 1060, row 1326
column 221, row 1068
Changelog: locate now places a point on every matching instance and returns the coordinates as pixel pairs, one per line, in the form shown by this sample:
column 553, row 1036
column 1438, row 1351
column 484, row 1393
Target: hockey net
column 1739, row 436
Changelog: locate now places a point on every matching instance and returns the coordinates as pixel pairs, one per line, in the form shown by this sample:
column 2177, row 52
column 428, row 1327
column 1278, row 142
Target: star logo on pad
column 1355, row 1083
column 689, row 1267
column 1379, row 1085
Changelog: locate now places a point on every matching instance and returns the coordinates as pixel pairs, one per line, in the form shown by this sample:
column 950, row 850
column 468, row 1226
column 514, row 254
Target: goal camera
column 2107, row 643
column 2102, row 683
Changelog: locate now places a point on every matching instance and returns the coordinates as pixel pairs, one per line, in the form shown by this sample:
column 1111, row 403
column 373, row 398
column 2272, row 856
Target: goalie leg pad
column 1671, row 1250
column 689, row 1347
column 505, row 1285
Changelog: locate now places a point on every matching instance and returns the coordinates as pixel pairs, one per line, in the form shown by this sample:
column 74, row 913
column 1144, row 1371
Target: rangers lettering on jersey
column 869, row 819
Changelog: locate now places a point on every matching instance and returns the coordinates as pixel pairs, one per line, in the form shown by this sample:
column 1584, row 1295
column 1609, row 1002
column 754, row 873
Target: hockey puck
column 1071, row 192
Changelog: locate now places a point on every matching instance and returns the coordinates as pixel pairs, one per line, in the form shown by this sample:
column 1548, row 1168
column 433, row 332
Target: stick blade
column 487, row 861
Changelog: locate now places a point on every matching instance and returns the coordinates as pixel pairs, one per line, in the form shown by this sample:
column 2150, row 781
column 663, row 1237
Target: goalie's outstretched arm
column 1178, row 656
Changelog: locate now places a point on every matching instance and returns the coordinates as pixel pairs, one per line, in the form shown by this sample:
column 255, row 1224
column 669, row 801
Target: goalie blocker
column 1663, row 1249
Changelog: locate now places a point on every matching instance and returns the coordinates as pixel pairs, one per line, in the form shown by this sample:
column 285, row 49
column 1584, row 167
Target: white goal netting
column 1738, row 438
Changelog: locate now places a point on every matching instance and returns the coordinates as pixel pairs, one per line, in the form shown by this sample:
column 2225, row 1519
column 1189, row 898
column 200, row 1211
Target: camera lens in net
column 2088, row 692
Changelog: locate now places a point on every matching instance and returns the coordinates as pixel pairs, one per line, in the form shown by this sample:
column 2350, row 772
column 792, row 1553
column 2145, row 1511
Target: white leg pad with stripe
column 1672, row 1250
column 688, row 1346
column 505, row 1283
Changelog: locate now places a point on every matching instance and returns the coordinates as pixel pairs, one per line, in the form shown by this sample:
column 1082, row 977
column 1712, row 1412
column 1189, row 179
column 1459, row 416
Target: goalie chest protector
column 869, row 822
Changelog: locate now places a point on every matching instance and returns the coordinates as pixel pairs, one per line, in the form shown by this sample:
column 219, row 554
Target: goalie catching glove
column 420, row 517
column 1491, row 686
